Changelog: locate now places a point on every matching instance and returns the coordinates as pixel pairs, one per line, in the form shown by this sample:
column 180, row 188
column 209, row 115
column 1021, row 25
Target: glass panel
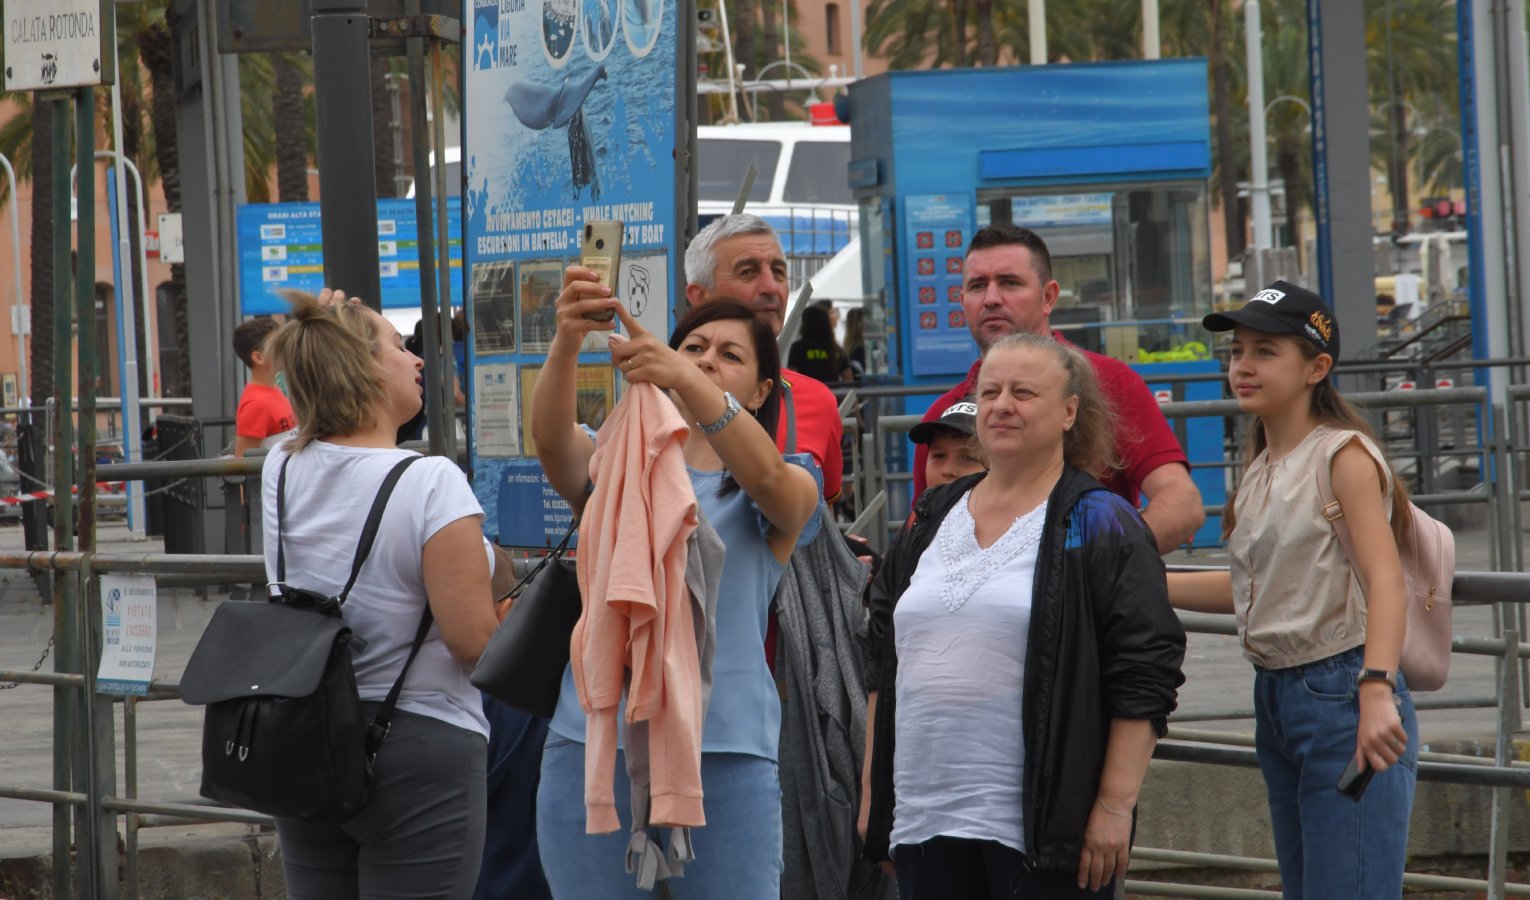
column 819, row 173
column 1133, row 266
column 720, row 167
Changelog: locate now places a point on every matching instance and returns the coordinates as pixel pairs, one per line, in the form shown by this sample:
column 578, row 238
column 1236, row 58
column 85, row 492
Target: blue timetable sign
column 281, row 247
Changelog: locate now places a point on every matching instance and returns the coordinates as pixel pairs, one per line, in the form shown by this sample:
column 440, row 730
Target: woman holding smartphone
column 1328, row 694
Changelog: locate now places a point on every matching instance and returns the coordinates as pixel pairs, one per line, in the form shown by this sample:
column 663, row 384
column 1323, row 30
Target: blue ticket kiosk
column 1108, row 162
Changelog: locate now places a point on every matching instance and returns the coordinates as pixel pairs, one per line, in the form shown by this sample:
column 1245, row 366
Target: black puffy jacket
column 1103, row 644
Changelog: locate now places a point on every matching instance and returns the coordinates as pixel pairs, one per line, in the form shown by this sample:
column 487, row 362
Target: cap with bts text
column 1284, row 308
column 958, row 417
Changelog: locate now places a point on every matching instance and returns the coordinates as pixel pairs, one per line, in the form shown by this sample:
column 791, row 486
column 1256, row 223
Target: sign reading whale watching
column 571, row 117
column 52, row 44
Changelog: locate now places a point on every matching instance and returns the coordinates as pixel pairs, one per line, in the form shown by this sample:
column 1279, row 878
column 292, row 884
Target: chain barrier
column 35, row 667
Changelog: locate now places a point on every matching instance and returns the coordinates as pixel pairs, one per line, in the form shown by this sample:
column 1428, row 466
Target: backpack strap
column 382, row 722
column 791, row 417
column 1333, row 511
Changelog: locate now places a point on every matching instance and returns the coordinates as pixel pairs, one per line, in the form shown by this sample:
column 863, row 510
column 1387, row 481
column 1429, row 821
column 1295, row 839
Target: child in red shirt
column 264, row 416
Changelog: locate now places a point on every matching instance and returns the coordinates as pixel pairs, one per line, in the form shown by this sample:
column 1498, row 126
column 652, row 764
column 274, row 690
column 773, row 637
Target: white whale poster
column 570, row 115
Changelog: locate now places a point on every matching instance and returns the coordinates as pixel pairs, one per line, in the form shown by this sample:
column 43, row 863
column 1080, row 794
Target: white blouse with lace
column 961, row 630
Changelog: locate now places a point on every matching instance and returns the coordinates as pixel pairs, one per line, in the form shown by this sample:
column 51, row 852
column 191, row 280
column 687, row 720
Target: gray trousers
column 421, row 833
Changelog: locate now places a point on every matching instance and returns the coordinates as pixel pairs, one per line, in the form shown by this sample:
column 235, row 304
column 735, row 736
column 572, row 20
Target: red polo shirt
column 819, row 428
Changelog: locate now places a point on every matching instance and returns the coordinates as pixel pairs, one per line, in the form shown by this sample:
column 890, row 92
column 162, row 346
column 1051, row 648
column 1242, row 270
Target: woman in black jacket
column 1027, row 662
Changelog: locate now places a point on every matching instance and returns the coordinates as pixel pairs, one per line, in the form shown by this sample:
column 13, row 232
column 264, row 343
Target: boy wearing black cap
column 954, row 450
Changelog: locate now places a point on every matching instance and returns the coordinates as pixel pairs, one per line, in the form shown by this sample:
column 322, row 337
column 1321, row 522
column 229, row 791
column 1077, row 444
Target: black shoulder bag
column 284, row 733
column 523, row 663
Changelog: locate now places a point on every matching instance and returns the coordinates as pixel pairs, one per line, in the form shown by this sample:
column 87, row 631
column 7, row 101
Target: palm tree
column 1412, row 62
column 155, row 43
column 291, row 127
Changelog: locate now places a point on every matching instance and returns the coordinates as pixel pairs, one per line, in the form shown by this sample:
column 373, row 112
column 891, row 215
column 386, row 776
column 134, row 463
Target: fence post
column 1503, row 752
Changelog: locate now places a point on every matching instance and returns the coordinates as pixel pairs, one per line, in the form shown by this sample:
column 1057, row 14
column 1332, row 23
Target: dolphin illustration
column 540, row 106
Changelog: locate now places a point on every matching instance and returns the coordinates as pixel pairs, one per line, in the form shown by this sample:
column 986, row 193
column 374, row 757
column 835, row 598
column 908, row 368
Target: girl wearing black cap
column 1328, row 695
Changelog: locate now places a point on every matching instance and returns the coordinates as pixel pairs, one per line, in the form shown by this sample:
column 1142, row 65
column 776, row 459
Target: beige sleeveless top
column 1296, row 599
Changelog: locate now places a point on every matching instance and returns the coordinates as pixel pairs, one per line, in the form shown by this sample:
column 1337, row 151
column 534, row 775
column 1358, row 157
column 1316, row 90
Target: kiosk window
column 720, row 168
column 819, row 173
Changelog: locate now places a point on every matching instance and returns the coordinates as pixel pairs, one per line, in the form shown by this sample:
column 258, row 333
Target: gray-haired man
column 739, row 257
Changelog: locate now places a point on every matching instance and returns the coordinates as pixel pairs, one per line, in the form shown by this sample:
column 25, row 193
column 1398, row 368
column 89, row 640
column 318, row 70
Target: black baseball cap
column 958, row 417
column 1284, row 308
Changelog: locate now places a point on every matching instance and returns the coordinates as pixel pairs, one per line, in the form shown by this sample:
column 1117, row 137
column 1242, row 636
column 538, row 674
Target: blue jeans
column 1327, row 844
column 738, row 852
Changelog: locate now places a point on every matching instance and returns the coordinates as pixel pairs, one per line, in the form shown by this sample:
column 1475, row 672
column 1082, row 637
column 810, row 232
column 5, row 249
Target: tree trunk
column 154, row 48
column 771, row 41
column 382, row 132
column 987, row 47
column 291, row 136
column 1296, row 197
column 1397, row 180
column 1232, row 221
column 958, row 33
column 41, row 367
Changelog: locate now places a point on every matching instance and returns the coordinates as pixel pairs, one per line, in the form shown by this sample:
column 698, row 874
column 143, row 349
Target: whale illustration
column 540, row 106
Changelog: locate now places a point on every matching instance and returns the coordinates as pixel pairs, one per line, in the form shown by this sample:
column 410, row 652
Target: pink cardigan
column 637, row 612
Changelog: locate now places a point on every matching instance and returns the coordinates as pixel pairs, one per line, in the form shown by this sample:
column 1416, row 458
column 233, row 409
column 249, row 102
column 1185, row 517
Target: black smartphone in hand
column 1355, row 780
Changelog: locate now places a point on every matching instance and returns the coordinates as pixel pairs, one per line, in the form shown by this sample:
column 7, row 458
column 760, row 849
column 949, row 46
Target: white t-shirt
column 330, row 489
column 961, row 630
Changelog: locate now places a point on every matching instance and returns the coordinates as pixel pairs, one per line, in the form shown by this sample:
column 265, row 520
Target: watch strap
column 1377, row 675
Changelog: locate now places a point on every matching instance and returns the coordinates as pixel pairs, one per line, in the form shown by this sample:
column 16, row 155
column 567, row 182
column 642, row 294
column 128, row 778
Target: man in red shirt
column 1007, row 288
column 739, row 257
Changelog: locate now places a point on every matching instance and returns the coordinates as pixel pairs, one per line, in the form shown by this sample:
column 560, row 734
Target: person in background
column 1323, row 630
column 264, row 415
column 855, row 341
column 1007, row 288
column 952, row 446
column 720, row 368
column 816, row 353
column 1025, row 655
column 353, row 384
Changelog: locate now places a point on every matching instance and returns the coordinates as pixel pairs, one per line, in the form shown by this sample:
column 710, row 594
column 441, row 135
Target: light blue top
column 745, row 712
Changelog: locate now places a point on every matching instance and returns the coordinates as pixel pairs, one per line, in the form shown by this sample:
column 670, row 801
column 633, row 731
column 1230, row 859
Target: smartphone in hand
column 1355, row 780
column 601, row 252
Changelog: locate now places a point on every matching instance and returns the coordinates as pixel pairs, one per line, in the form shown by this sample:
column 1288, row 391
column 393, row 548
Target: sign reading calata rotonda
column 56, row 44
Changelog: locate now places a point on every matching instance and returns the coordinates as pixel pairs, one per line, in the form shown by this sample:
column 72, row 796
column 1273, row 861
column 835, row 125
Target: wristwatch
column 725, row 418
column 1377, row 675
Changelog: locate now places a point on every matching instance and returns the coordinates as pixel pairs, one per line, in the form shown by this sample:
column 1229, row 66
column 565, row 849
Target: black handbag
column 523, row 663
column 284, row 733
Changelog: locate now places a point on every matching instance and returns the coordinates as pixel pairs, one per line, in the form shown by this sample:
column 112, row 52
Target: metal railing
column 99, row 806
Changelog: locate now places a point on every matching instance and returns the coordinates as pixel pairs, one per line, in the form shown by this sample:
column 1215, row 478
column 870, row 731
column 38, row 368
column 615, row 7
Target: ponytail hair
column 1330, row 408
column 328, row 358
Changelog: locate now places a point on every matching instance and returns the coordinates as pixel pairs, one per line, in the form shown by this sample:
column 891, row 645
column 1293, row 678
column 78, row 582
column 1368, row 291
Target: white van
column 801, row 181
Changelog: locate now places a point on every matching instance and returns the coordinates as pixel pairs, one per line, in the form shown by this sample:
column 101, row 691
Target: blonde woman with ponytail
column 1329, row 699
column 352, row 384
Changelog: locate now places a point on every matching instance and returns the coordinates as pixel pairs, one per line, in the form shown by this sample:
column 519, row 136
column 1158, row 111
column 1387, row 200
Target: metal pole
column 443, row 255
column 132, row 417
column 1259, row 190
column 437, row 395
column 1503, row 752
column 1151, row 43
column 342, row 65
column 855, row 39
column 62, row 436
column 1036, row 17
column 21, row 320
column 722, row 15
column 90, row 854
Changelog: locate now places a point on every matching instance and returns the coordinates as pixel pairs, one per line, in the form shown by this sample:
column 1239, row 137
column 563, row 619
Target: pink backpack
column 1428, row 558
